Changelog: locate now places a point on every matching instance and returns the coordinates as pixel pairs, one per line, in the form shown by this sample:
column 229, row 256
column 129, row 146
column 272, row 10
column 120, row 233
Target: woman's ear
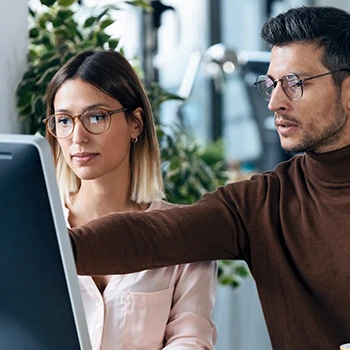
column 137, row 122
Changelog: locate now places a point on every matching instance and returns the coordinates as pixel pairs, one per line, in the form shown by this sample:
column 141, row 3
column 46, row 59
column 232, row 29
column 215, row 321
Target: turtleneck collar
column 330, row 167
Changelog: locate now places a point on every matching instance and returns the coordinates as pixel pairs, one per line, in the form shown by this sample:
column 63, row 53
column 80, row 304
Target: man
column 291, row 225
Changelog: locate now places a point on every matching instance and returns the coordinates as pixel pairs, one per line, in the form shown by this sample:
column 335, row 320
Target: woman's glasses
column 292, row 85
column 95, row 121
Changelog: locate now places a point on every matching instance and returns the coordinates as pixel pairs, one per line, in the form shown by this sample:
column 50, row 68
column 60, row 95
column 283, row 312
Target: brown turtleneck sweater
column 291, row 225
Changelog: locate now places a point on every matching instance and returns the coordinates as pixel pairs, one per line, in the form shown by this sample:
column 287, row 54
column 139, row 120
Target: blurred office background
column 209, row 52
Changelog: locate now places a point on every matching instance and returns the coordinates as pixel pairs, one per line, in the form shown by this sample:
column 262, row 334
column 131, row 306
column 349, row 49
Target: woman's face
column 92, row 156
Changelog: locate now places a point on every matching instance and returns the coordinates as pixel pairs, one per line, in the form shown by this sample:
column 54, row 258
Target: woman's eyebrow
column 95, row 105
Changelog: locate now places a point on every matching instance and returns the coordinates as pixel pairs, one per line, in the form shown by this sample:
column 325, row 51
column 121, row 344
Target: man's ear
column 137, row 122
column 346, row 93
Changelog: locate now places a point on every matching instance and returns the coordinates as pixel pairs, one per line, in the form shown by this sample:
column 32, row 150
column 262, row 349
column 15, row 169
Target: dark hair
column 325, row 26
column 110, row 72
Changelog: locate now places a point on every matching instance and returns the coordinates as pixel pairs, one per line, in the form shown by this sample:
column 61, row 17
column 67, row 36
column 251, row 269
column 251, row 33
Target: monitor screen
column 40, row 303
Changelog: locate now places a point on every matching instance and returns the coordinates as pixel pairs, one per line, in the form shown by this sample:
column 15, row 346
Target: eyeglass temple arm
column 331, row 72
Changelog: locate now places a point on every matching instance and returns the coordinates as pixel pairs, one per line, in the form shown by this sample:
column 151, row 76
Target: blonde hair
column 111, row 73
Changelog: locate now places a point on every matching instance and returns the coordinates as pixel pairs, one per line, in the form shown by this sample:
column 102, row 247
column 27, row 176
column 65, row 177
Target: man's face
column 319, row 121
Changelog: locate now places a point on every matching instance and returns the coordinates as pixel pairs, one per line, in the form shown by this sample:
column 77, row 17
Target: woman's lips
column 84, row 157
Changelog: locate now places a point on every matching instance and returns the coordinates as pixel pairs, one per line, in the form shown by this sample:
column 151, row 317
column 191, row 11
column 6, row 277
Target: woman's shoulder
column 162, row 204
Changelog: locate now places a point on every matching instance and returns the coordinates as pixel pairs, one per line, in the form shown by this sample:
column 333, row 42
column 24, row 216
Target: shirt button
column 98, row 326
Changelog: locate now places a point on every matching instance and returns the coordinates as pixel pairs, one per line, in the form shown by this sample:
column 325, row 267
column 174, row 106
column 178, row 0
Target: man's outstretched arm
column 128, row 242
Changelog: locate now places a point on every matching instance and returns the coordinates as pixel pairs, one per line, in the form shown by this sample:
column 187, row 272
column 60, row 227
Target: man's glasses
column 292, row 85
column 95, row 121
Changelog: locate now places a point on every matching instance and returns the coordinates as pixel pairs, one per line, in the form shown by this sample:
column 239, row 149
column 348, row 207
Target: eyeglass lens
column 291, row 85
column 95, row 121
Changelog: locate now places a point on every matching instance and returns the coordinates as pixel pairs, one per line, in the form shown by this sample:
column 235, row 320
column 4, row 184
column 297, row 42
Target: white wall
column 13, row 44
column 343, row 4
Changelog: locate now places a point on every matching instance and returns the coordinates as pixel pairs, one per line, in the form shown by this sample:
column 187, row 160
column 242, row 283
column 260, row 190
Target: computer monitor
column 40, row 302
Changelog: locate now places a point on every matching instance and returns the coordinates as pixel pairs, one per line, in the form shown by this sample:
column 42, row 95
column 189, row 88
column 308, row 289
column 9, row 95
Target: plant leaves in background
column 48, row 2
column 66, row 3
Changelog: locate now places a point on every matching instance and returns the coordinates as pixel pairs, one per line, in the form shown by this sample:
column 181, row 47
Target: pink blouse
column 166, row 308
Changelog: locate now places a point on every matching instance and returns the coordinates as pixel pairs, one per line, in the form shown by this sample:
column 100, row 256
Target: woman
column 102, row 134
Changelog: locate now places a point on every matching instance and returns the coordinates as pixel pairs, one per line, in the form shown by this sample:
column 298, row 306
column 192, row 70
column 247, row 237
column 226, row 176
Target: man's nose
column 279, row 99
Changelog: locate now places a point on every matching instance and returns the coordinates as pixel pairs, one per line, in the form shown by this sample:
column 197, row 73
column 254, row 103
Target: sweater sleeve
column 119, row 243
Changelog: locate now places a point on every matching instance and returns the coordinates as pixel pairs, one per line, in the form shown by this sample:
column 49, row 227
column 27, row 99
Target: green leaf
column 84, row 45
column 24, row 99
column 74, row 28
column 34, row 33
column 44, row 19
column 62, row 34
column 113, row 43
column 46, row 41
column 226, row 262
column 38, row 108
column 89, row 22
column 36, row 41
column 26, row 86
column 65, row 14
column 61, row 19
column 66, row 3
column 225, row 280
column 102, row 39
column 242, row 271
column 47, row 76
column 47, row 55
column 102, row 13
column 234, row 284
column 105, row 23
column 31, row 12
column 68, row 55
column 25, row 111
column 107, row 9
column 121, row 50
column 145, row 5
column 53, row 62
column 48, row 2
